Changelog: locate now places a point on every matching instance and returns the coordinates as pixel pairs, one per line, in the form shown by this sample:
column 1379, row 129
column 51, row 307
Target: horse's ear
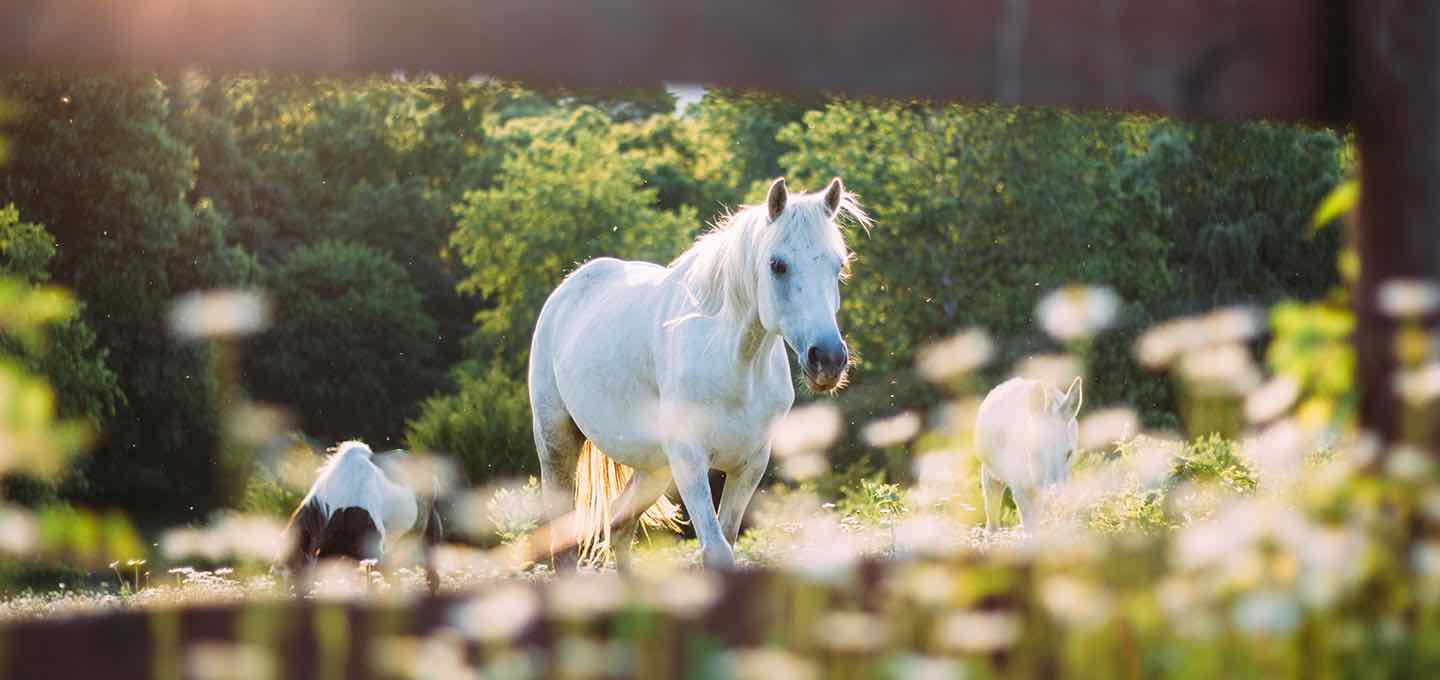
column 833, row 193
column 777, row 197
column 1040, row 398
column 1068, row 406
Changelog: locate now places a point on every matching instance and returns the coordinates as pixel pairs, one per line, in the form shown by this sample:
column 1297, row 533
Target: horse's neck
column 745, row 340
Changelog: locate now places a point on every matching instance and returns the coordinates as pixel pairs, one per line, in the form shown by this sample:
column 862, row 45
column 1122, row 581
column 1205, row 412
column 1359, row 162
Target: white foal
column 1025, row 433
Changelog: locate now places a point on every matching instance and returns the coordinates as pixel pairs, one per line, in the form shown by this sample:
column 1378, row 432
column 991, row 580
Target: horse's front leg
column 740, row 487
column 691, row 469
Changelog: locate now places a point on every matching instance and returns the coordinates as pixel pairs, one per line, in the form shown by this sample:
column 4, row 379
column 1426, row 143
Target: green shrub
column 485, row 427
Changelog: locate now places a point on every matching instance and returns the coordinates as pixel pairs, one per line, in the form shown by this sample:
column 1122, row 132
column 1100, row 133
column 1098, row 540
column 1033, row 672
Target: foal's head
column 802, row 259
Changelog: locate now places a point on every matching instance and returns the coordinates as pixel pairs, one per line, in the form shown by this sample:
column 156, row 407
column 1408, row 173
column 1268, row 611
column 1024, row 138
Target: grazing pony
column 357, row 509
column 1025, row 433
column 674, row 371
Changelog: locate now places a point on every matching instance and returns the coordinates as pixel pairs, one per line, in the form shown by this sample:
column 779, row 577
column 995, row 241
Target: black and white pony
column 358, row 508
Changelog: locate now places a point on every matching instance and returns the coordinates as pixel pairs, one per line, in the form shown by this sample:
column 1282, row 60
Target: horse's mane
column 720, row 270
column 339, row 452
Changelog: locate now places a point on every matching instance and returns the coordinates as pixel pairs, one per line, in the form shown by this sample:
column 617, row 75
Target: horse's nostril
column 812, row 358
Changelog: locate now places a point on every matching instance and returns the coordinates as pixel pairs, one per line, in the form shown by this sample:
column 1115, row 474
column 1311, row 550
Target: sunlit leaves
column 1340, row 201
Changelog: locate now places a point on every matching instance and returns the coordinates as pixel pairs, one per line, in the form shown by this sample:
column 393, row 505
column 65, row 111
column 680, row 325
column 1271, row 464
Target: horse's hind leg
column 558, row 442
column 643, row 490
column 992, row 491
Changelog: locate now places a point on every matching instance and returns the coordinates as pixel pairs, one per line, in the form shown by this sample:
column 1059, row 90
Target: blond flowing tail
column 599, row 480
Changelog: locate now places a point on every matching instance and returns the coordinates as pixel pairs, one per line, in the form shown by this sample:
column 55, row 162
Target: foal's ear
column 776, row 198
column 1068, row 406
column 832, row 196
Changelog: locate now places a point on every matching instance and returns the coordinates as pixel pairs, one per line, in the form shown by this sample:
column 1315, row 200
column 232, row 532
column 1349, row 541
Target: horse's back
column 592, row 352
column 1005, row 412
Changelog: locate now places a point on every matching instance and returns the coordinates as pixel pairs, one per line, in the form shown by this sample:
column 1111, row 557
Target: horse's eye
column 778, row 266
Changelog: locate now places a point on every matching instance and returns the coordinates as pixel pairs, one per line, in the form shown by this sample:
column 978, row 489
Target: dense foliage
column 348, row 322
column 425, row 220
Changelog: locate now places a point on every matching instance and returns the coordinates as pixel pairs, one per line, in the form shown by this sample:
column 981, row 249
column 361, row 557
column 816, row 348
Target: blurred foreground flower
column 221, row 661
column 1078, row 312
column 244, row 537
column 1223, row 369
column 807, row 429
column 1056, row 370
column 499, row 614
column 219, row 313
column 892, row 431
column 1105, row 427
column 768, row 663
column 977, row 632
column 1163, row 343
column 955, row 356
column 1408, row 298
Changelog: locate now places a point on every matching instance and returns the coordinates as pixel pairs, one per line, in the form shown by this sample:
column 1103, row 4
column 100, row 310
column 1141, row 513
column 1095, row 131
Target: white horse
column 674, row 371
column 355, row 509
column 1025, row 433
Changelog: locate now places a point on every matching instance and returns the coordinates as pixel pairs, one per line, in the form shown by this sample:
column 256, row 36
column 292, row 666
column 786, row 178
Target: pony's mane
column 720, row 270
column 339, row 452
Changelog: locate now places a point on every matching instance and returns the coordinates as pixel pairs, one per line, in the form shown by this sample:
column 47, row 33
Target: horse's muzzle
column 825, row 364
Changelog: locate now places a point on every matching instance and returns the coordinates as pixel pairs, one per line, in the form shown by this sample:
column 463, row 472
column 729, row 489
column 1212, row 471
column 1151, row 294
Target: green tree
column 67, row 357
column 96, row 163
column 485, row 425
column 350, row 348
column 565, row 195
column 981, row 210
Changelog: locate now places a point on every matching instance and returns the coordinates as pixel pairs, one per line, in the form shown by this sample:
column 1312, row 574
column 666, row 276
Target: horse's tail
column 599, row 480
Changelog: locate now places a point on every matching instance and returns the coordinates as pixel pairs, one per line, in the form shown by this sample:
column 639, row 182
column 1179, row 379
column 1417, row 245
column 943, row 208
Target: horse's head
column 1056, row 432
column 801, row 262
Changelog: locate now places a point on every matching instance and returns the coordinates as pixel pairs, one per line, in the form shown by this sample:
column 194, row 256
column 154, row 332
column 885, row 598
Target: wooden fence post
column 1394, row 87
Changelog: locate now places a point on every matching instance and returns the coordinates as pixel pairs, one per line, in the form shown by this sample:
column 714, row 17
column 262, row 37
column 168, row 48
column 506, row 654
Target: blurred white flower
column 1332, row 559
column 256, row 424
column 826, row 553
column 1231, row 325
column 802, row 466
column 1226, row 368
column 1425, row 558
column 1277, row 452
column 1075, row 601
column 219, row 313
column 585, row 596
column 1078, row 312
column 1152, row 460
column 19, row 534
column 937, row 477
column 1268, row 612
column 222, row 661
column 679, row 593
column 438, row 655
column 338, row 580
column 852, row 632
column 1408, row 298
column 1056, row 370
column 807, row 429
column 954, row 356
column 926, row 584
column 916, row 667
column 1272, row 399
column 977, row 632
column 1100, row 429
column 498, row 614
column 766, row 663
column 892, row 431
column 1419, row 386
column 1159, row 346
column 928, row 534
column 1407, row 463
